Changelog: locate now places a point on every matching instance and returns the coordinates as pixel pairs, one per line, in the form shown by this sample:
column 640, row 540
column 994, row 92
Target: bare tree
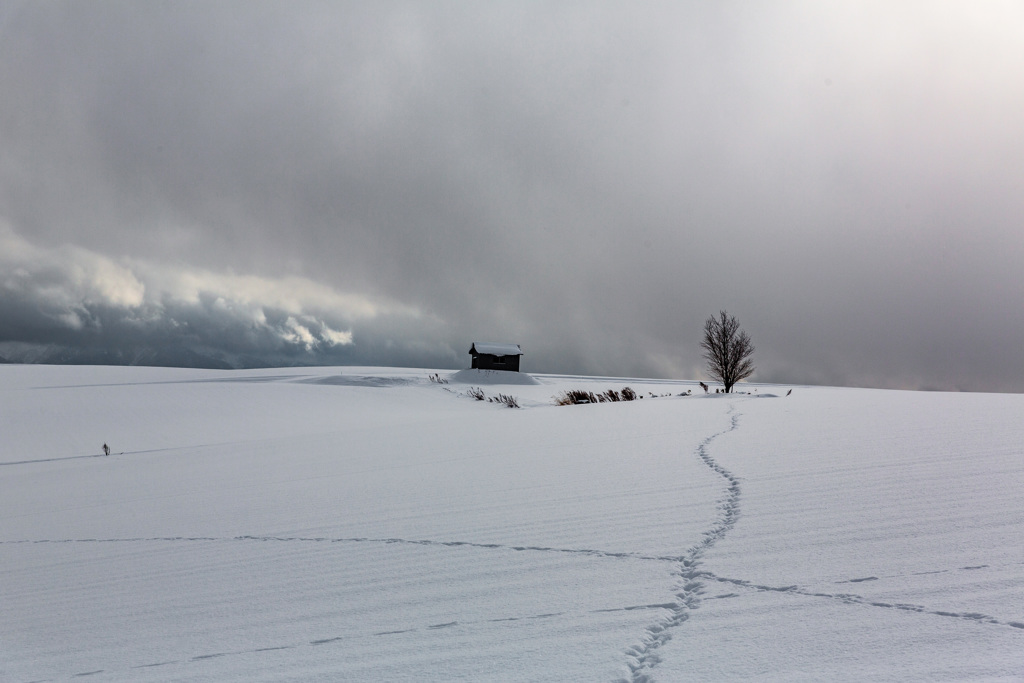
column 727, row 349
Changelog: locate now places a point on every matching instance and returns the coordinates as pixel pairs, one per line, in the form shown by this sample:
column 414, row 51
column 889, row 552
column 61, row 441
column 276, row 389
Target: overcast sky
column 387, row 182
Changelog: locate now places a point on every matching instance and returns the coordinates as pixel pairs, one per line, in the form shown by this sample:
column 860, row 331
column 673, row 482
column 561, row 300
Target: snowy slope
column 367, row 524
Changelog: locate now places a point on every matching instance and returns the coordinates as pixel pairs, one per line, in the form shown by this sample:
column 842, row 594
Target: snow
column 369, row 524
column 490, row 377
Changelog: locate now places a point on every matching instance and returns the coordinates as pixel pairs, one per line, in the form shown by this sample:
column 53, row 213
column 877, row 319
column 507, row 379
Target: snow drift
column 491, row 377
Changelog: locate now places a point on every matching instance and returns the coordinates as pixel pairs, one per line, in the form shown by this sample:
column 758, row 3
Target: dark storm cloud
column 590, row 180
column 72, row 305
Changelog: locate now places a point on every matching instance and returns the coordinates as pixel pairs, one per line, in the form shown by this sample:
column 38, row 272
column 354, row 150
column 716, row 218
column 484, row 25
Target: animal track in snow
column 642, row 659
column 154, row 665
column 866, row 578
column 449, row 624
column 689, row 589
column 852, row 599
column 358, row 539
column 335, row 640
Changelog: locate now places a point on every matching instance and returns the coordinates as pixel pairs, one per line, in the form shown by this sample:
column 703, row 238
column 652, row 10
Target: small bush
column 477, row 393
column 437, row 379
column 575, row 397
column 505, row 399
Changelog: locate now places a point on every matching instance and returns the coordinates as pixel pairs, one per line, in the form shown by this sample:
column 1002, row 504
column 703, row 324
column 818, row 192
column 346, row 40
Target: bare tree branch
column 727, row 350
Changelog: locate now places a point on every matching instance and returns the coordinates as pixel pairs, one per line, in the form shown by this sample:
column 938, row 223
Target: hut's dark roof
column 493, row 349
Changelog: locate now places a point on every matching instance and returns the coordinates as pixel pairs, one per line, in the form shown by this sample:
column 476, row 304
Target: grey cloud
column 73, row 305
column 588, row 179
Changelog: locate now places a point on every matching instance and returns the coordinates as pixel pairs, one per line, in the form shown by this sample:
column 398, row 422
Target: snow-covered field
column 366, row 524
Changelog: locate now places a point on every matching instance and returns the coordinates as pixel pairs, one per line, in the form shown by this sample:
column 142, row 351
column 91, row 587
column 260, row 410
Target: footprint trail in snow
column 644, row 657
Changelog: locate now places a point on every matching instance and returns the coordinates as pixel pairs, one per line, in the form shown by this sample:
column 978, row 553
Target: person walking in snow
column 106, row 449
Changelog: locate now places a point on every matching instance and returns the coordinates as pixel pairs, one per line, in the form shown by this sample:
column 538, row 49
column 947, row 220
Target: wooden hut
column 491, row 356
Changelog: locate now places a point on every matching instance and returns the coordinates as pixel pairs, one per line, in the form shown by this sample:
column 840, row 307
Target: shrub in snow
column 582, row 396
column 510, row 401
column 477, row 393
column 575, row 397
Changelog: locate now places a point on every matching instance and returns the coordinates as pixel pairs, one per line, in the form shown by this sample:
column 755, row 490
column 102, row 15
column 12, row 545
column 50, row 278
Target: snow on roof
column 493, row 349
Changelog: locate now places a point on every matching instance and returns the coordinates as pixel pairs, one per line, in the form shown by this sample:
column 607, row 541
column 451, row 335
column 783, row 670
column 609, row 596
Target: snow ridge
column 643, row 658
